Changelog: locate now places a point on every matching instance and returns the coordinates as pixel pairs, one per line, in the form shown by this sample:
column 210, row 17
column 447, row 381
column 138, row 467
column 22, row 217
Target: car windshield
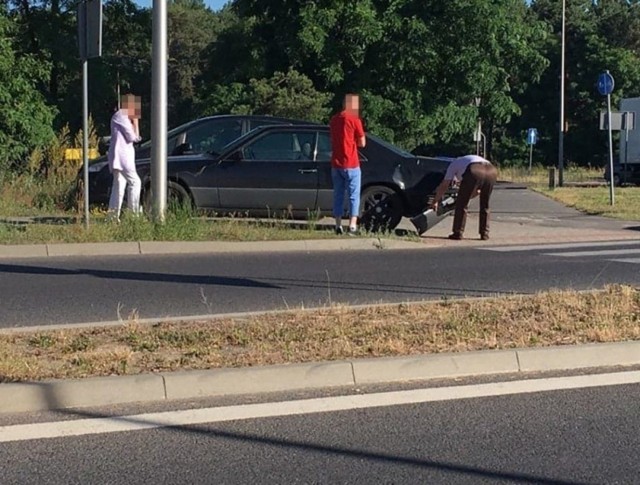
column 389, row 146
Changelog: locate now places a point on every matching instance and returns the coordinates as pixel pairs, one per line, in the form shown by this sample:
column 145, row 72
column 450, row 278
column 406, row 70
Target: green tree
column 26, row 121
column 289, row 94
column 599, row 35
column 419, row 64
column 192, row 28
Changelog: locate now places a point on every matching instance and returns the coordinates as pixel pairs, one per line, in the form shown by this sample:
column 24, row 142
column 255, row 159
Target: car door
column 272, row 174
column 196, row 154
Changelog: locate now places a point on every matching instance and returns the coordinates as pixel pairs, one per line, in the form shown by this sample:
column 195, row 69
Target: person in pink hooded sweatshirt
column 122, row 157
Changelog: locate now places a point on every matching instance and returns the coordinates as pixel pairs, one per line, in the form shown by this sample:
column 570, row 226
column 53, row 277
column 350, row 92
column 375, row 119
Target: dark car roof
column 186, row 125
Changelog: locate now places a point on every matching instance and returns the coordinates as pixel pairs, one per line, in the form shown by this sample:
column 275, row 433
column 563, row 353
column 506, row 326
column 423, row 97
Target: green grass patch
column 142, row 229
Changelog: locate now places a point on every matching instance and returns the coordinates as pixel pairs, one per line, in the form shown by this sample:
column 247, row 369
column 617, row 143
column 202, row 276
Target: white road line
column 604, row 252
column 626, row 260
column 534, row 247
column 139, row 422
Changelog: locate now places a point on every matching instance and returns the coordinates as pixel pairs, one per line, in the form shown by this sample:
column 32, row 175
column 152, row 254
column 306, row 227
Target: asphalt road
column 558, row 437
column 81, row 290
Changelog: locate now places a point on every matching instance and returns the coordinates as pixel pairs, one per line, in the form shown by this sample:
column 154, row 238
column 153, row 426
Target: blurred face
column 132, row 104
column 352, row 103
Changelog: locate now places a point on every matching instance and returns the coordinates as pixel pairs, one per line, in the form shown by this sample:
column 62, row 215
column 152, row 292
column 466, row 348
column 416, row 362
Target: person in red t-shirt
column 347, row 135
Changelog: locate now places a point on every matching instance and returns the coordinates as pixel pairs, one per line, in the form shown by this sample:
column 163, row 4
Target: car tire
column 177, row 197
column 381, row 209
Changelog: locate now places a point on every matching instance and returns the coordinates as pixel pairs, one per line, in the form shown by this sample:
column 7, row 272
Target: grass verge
column 595, row 200
column 176, row 228
column 181, row 224
column 549, row 318
column 538, row 176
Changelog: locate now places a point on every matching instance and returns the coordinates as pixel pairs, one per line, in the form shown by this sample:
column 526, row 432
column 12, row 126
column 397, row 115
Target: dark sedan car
column 285, row 170
column 209, row 134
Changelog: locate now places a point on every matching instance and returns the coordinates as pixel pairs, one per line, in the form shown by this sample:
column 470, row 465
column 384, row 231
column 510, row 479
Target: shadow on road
column 309, row 446
column 267, row 282
column 136, row 276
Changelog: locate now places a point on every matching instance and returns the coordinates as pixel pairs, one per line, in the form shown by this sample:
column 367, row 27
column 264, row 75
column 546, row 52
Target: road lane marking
column 93, row 426
column 535, row 247
column 626, row 260
column 603, row 252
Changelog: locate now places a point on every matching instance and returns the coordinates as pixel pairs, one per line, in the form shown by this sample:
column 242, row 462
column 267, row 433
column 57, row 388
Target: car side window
column 324, row 147
column 212, row 136
column 282, row 146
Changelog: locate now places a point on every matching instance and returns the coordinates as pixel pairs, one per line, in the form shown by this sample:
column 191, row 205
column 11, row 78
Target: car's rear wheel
column 177, row 198
column 381, row 209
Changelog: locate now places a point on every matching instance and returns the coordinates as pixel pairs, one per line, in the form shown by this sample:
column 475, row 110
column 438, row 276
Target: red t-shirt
column 346, row 129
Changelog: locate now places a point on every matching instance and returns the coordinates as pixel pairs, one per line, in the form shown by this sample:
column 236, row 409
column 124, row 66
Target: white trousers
column 125, row 180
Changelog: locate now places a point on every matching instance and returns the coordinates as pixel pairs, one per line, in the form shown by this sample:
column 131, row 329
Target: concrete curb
column 198, row 247
column 158, row 248
column 61, row 394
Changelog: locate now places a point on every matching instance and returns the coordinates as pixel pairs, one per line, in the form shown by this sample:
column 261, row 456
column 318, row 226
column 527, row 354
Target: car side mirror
column 183, row 149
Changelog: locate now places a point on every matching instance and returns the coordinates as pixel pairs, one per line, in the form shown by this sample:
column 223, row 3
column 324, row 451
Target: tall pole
column 561, row 129
column 612, row 197
column 159, row 110
column 85, row 137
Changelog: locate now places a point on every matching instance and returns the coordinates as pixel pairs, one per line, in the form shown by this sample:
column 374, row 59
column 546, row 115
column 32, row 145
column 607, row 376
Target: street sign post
column 90, row 45
column 532, row 139
column 605, row 87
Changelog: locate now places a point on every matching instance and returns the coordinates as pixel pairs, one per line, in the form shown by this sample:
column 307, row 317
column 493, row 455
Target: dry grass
column 539, row 176
column 595, row 200
column 551, row 318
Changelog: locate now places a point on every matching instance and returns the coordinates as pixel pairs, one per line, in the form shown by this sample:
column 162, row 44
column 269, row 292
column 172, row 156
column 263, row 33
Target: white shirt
column 122, row 154
column 459, row 166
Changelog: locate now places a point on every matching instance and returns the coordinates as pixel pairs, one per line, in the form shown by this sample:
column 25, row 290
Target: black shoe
column 455, row 237
column 339, row 230
column 484, row 237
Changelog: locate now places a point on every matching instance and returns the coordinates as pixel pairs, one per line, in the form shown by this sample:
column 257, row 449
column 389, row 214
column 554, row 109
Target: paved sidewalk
column 61, row 394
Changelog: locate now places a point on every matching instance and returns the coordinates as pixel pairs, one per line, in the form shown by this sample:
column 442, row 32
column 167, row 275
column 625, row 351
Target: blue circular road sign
column 605, row 83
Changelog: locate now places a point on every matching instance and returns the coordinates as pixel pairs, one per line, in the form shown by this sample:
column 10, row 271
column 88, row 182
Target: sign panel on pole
column 620, row 120
column 90, row 28
column 532, row 136
column 605, row 83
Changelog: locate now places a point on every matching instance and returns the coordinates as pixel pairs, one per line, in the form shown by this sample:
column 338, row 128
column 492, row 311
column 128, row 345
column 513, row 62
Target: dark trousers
column 478, row 176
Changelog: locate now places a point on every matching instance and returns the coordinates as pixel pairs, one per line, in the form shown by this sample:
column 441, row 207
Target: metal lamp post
column 159, row 110
column 561, row 128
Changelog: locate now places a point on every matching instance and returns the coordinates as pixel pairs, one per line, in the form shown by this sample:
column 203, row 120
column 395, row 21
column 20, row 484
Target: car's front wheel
column 381, row 209
column 617, row 181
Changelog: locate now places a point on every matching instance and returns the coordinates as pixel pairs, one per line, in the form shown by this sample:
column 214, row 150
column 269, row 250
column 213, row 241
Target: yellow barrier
column 75, row 154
